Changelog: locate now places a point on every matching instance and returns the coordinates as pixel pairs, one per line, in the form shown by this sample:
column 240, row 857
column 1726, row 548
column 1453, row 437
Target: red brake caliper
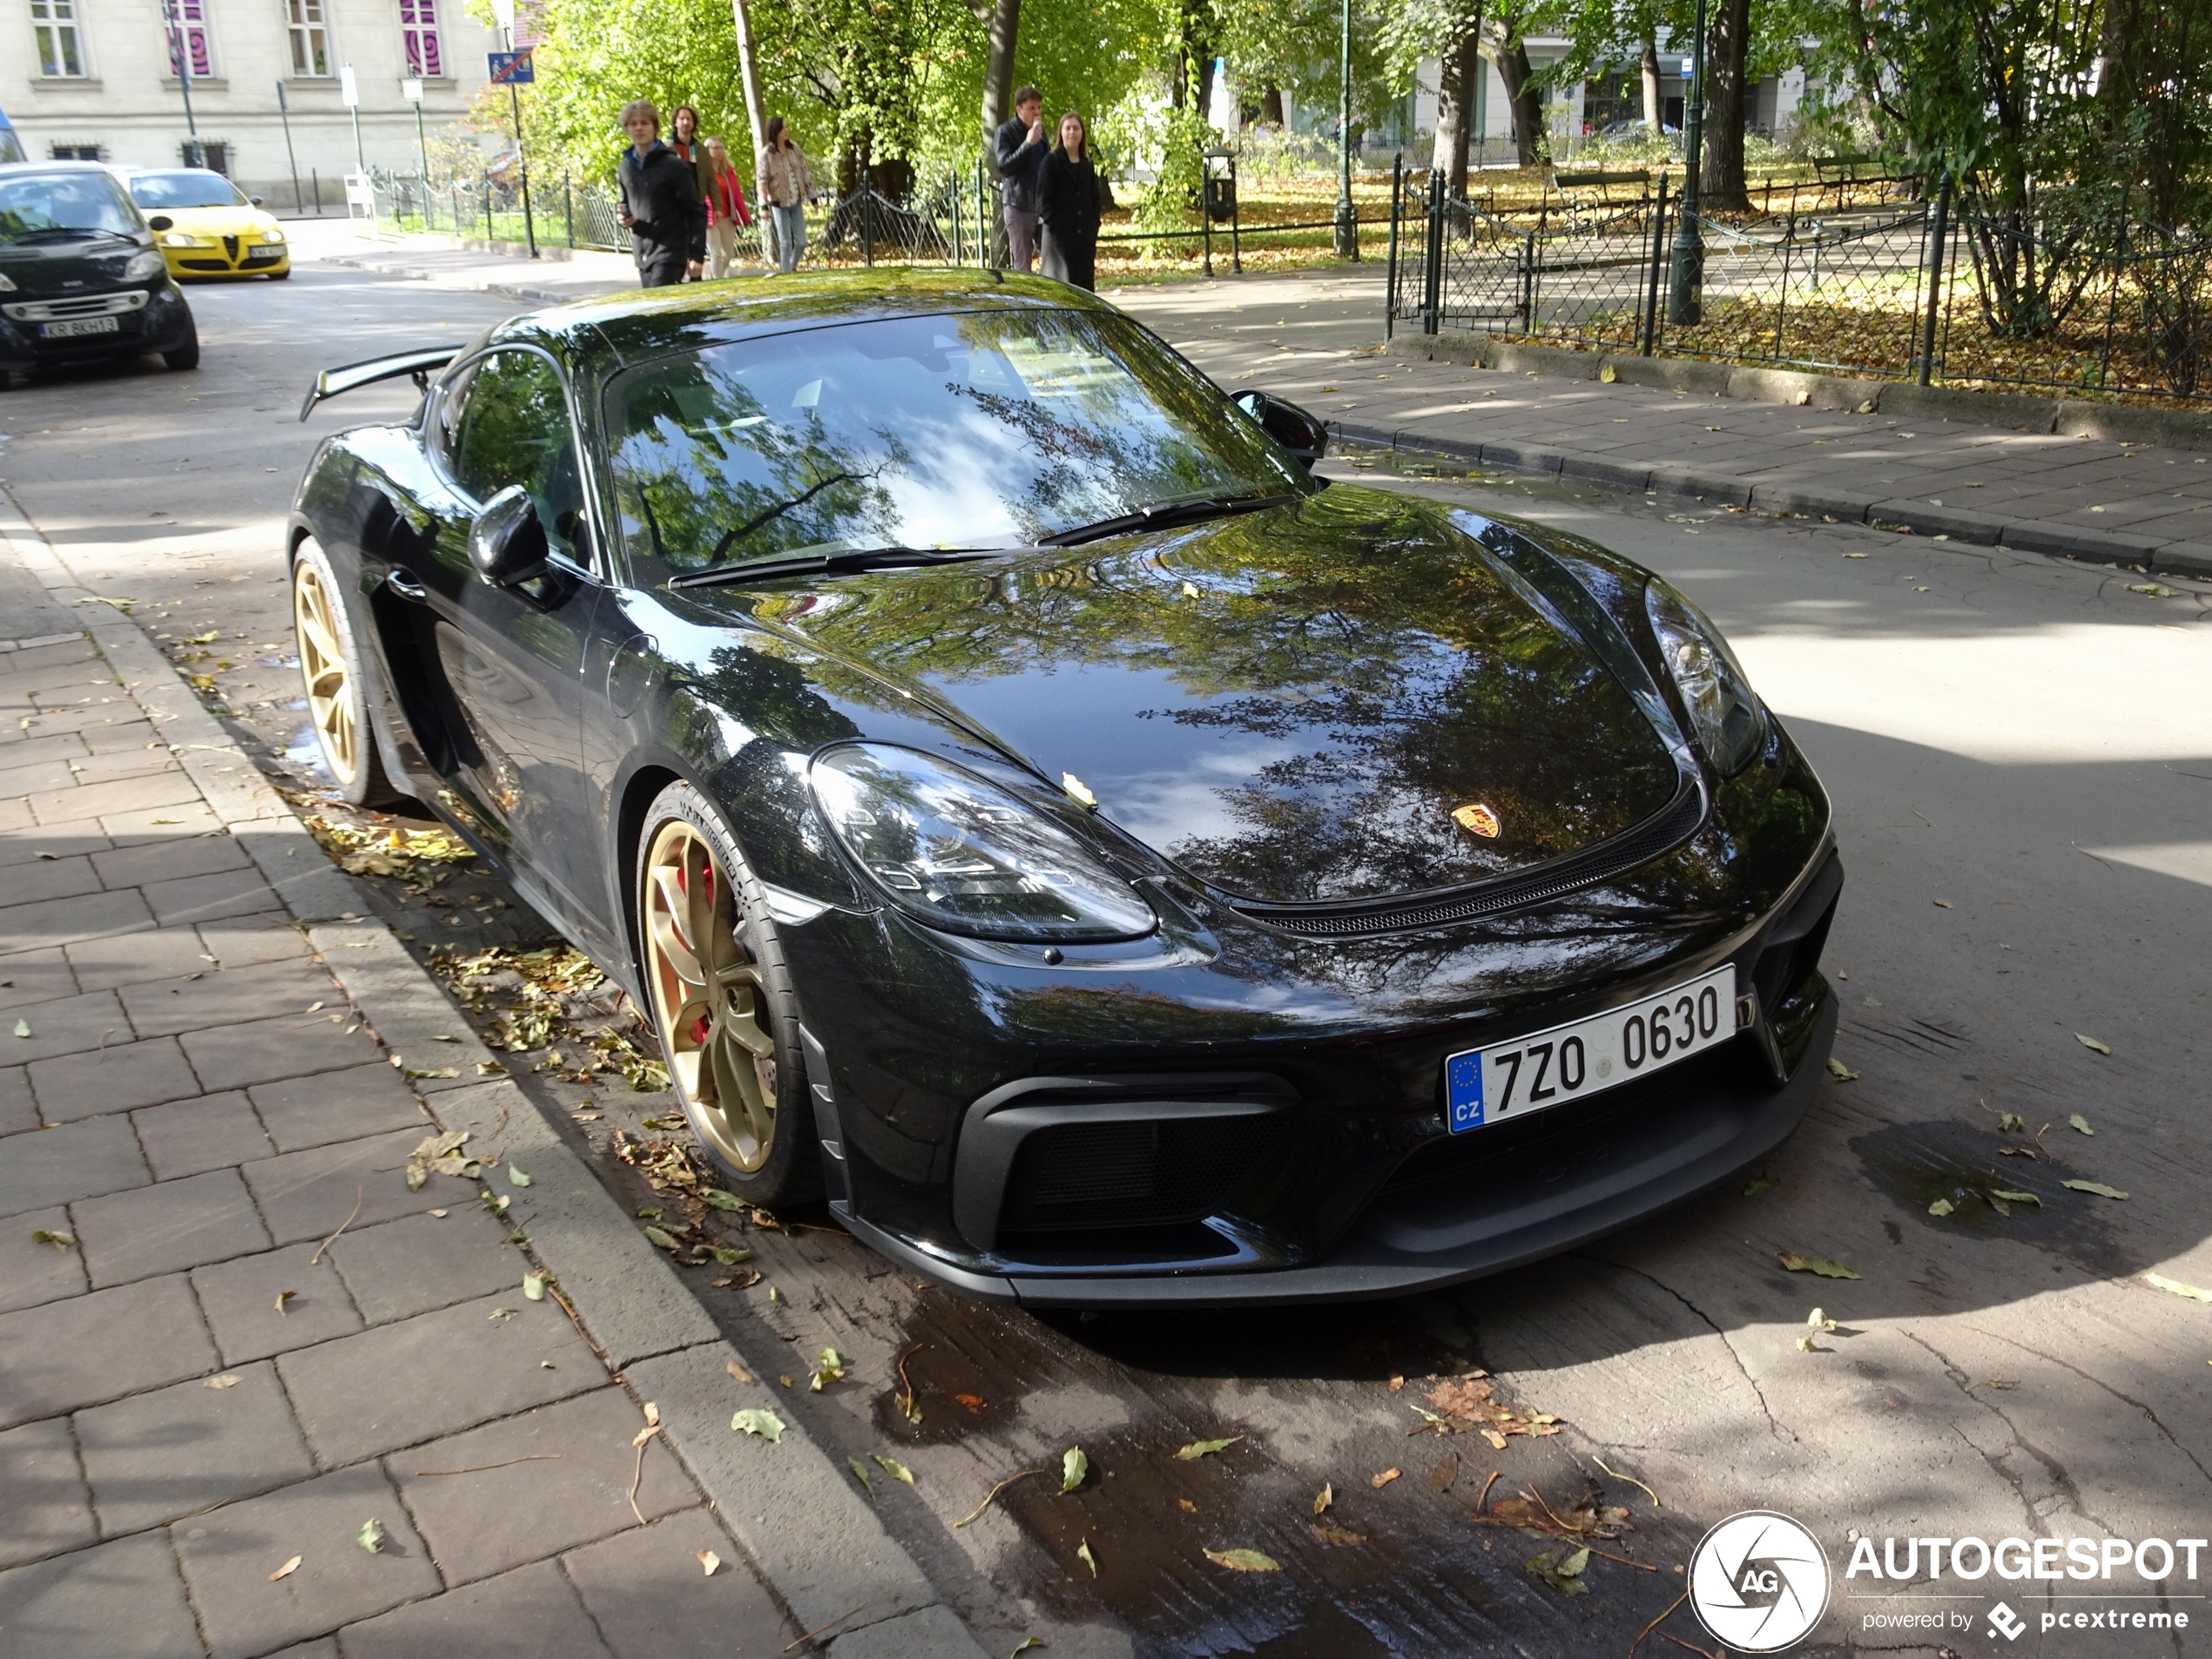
column 698, row 1026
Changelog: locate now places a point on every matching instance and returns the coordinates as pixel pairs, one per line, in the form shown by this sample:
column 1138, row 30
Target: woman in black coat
column 1069, row 195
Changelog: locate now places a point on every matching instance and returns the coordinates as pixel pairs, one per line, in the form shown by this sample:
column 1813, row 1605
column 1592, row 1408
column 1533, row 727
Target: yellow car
column 206, row 226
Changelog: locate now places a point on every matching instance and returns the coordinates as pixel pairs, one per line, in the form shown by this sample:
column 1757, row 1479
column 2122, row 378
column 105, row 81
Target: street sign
column 350, row 91
column 512, row 69
column 411, row 90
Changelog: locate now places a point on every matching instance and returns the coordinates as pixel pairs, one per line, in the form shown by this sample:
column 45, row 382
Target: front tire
column 328, row 669
column 186, row 355
column 723, row 1003
column 279, row 276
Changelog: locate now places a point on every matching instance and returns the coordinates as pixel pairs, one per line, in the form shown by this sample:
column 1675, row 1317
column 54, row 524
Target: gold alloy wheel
column 708, row 998
column 323, row 667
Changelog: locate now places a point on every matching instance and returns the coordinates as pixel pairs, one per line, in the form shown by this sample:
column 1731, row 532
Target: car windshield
column 988, row 428
column 49, row 207
column 194, row 187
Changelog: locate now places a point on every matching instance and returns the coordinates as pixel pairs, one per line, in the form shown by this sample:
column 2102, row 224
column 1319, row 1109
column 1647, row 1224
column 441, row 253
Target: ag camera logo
column 1758, row 1582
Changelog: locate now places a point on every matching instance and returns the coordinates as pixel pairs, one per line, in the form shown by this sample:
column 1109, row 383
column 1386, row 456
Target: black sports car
column 1112, row 864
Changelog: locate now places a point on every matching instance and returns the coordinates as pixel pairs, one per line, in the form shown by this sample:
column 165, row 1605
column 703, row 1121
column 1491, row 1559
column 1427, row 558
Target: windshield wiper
column 1188, row 509
column 832, row 562
column 59, row 233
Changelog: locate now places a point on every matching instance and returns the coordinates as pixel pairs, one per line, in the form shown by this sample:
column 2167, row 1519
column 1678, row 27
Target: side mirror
column 161, row 222
column 253, row 200
column 1302, row 435
column 507, row 544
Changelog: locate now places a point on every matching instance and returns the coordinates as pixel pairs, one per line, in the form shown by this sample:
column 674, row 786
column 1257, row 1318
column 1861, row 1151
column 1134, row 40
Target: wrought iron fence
column 1871, row 283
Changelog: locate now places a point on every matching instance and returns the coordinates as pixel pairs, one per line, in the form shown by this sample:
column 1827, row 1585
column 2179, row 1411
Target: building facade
column 97, row 79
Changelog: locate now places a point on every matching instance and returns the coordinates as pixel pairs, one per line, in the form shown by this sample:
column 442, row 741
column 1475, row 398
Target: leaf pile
column 537, row 1000
column 674, row 1168
column 441, row 1155
column 1470, row 1402
column 423, row 858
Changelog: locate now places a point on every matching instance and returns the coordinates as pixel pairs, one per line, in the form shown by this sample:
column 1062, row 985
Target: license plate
column 80, row 326
column 1572, row 1061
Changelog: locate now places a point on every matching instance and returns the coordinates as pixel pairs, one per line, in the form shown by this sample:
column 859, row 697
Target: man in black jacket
column 662, row 208
column 1019, row 148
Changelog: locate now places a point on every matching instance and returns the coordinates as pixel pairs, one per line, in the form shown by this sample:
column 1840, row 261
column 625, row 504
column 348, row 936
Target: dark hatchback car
column 1113, row 864
column 80, row 278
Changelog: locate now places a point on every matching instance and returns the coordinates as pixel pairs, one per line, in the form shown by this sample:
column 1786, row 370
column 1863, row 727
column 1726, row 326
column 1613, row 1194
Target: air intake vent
column 1141, row 1174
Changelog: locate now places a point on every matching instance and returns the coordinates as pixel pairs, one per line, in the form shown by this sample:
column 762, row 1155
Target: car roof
column 649, row 323
column 11, row 168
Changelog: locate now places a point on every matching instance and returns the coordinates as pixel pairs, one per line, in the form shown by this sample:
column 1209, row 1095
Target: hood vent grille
column 1659, row 834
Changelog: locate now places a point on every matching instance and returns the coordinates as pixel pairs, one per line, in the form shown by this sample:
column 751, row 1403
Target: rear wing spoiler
column 420, row 364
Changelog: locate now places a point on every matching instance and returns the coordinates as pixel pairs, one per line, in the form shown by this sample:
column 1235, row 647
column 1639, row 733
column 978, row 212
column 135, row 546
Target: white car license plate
column 1572, row 1061
column 80, row 326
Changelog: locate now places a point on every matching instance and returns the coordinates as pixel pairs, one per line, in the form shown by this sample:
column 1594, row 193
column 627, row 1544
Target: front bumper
column 224, row 260
column 163, row 322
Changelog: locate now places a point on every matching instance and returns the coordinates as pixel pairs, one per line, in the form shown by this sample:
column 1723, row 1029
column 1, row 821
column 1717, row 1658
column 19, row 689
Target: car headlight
column 143, row 264
column 6, row 286
column 965, row 855
column 178, row 238
column 272, row 236
column 1729, row 721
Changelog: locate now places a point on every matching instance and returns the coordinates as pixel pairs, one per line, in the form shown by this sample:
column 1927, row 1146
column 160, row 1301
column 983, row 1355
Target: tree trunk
column 1531, row 143
column 1726, row 55
column 1271, row 104
column 749, row 72
column 1655, row 112
column 998, row 66
column 1457, row 67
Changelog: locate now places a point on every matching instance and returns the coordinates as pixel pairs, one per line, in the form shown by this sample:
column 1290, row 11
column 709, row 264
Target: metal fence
column 1861, row 279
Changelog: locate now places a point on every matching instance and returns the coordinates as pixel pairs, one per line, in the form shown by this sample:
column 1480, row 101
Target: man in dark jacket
column 662, row 208
column 1019, row 150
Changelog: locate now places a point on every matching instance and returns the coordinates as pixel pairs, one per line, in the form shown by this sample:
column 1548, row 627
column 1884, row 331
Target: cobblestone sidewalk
column 256, row 1394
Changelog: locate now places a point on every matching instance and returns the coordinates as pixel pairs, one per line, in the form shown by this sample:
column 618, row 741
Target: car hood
column 44, row 270
column 1291, row 705
column 220, row 221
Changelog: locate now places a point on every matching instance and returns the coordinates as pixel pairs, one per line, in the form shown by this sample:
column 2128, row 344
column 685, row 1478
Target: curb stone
column 2192, row 559
column 818, row 1545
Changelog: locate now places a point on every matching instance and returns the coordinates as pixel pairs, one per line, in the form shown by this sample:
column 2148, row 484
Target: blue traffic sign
column 512, row 68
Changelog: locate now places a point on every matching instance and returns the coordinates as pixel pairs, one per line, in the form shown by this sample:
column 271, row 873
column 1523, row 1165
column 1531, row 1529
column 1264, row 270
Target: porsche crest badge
column 1478, row 819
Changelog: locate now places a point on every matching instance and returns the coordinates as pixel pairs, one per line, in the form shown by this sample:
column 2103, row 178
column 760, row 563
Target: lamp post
column 284, row 113
column 1348, row 216
column 1686, row 261
column 349, row 94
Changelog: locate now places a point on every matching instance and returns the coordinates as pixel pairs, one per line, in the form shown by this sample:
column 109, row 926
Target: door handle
column 406, row 586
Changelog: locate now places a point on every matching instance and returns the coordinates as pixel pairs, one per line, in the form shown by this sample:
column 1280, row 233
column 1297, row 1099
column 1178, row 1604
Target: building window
column 75, row 151
column 186, row 21
column 212, row 153
column 310, row 37
column 419, row 32
column 54, row 23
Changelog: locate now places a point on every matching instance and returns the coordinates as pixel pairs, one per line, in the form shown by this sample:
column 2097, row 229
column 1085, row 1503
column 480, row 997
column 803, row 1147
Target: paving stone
column 530, row 1612
column 325, row 1648
column 118, row 733
column 336, row 1106
column 240, row 1300
column 36, row 976
column 487, row 1522
column 422, row 1262
column 33, row 1272
column 227, row 1557
column 187, row 1136
column 119, row 1078
column 62, row 921
column 161, row 824
column 225, row 996
column 169, row 1225
column 207, row 898
column 47, row 1509
column 394, row 1385
column 118, row 1601
column 87, row 1349
column 647, row 1594
column 30, row 846
column 305, row 1195
column 239, row 941
column 40, row 777
column 126, row 795
column 168, row 860
column 295, row 1045
column 19, row 1111
column 179, row 1450
column 66, row 1025
column 160, row 952
column 117, row 760
column 44, row 1167
column 59, row 878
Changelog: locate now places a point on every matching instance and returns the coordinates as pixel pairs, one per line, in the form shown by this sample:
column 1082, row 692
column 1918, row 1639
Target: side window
column 506, row 423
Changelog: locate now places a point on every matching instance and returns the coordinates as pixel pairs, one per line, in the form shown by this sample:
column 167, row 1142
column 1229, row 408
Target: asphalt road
column 2021, row 755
